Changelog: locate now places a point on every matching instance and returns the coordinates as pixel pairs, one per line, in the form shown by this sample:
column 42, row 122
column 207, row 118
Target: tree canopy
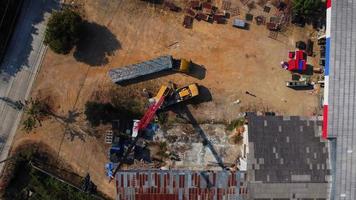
column 306, row 7
column 63, row 31
column 35, row 111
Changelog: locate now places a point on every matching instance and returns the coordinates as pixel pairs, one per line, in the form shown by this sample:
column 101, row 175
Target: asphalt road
column 20, row 66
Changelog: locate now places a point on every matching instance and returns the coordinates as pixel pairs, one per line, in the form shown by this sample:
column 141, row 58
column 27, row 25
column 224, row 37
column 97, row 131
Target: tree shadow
column 70, row 118
column 71, row 129
column 9, row 10
column 96, row 44
column 73, row 133
column 103, row 113
column 24, row 46
column 17, row 105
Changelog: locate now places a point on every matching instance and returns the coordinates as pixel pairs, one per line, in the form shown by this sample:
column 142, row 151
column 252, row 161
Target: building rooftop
column 287, row 150
column 180, row 185
column 340, row 95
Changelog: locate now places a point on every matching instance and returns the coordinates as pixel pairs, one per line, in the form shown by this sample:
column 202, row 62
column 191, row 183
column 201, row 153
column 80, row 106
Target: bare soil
column 126, row 32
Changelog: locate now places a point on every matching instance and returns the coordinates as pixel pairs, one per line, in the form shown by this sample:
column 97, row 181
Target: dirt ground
column 126, row 32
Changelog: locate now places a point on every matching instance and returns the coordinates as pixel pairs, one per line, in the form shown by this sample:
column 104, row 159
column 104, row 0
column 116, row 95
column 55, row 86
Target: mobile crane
column 166, row 96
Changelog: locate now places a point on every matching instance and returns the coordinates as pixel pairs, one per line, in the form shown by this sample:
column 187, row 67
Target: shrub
column 35, row 111
column 235, row 123
column 237, row 138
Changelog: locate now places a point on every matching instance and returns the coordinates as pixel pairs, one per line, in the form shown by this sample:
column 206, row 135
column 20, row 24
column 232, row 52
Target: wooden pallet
column 273, row 35
column 244, row 2
column 226, row 5
column 234, row 11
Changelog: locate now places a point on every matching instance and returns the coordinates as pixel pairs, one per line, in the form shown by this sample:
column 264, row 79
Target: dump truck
column 160, row 64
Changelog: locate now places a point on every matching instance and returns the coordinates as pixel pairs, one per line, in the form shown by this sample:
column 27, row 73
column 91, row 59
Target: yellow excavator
column 175, row 95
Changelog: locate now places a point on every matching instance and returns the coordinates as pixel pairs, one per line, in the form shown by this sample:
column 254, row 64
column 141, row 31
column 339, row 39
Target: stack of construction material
column 204, row 11
column 133, row 71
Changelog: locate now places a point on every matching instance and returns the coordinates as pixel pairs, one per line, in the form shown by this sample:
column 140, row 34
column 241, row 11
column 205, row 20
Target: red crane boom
column 147, row 118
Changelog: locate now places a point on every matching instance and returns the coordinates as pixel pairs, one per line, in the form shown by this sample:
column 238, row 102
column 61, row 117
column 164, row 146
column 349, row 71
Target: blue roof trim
column 327, row 57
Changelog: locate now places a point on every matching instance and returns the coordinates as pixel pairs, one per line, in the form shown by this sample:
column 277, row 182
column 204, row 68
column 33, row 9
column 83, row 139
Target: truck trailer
column 160, row 64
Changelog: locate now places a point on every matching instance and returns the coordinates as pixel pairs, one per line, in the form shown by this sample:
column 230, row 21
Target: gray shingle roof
column 287, row 158
column 342, row 96
column 287, row 150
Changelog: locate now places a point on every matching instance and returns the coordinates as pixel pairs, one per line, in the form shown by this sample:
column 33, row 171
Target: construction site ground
column 124, row 32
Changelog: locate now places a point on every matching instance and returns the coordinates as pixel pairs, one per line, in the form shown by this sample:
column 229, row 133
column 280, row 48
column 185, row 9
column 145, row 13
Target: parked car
column 239, row 23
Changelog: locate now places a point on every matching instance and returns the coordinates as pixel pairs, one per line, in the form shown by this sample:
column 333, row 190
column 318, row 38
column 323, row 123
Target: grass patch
column 235, row 123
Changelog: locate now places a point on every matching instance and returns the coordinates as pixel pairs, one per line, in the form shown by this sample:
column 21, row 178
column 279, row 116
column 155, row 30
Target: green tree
column 35, row 111
column 63, row 31
column 306, row 7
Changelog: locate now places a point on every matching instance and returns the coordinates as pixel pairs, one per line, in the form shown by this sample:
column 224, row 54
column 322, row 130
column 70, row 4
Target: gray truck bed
column 141, row 69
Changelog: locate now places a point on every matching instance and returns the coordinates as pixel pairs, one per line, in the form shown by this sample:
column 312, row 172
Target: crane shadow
column 184, row 113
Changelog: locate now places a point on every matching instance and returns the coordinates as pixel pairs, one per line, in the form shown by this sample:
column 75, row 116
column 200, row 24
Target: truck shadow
column 204, row 96
column 197, row 71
